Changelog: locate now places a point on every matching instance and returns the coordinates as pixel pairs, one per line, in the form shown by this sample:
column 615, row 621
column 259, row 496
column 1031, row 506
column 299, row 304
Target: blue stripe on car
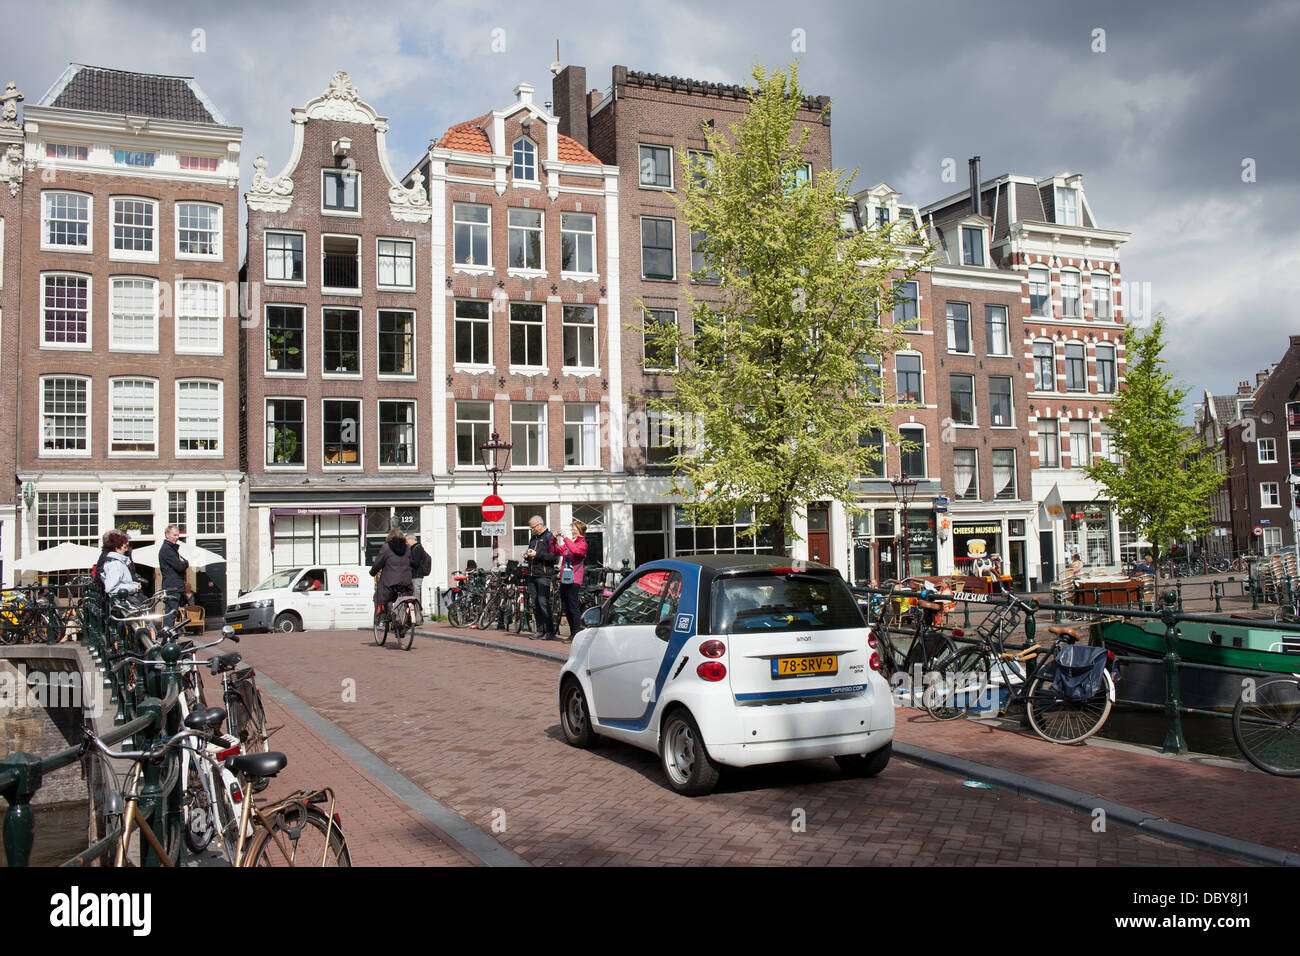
column 806, row 692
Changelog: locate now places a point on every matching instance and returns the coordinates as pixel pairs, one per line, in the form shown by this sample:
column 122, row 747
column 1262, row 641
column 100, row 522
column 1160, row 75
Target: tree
column 773, row 386
column 1160, row 485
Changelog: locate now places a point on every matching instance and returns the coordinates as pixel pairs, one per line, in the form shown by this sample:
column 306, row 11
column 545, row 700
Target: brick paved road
column 477, row 729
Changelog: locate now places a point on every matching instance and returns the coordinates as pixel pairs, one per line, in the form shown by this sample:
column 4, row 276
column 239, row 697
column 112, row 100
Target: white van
column 315, row 597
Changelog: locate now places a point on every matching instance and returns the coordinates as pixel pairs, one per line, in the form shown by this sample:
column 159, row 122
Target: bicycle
column 398, row 616
column 929, row 643
column 1266, row 725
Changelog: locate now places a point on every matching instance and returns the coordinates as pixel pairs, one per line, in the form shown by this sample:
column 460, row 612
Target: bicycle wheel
column 960, row 686
column 406, row 629
column 1267, row 729
column 455, row 613
column 1064, row 721
column 200, row 822
column 381, row 627
column 252, row 736
column 296, row 836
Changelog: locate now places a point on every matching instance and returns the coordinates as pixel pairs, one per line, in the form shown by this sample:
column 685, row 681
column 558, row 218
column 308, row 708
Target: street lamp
column 496, row 456
column 905, row 491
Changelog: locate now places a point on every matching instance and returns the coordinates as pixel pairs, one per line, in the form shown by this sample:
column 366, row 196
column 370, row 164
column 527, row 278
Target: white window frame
column 531, row 151
column 361, row 335
column 1041, row 436
column 1093, row 287
column 1015, row 475
column 1272, row 539
column 948, row 324
column 90, row 312
column 921, row 359
column 476, row 267
column 113, row 344
column 415, row 434
column 1039, row 269
column 584, row 428
column 975, row 474
column 1114, row 365
column 1270, row 495
column 361, row 266
column 266, row 272
column 48, row 246
column 410, row 243
column 455, row 319
column 1077, row 277
column 220, row 318
column 124, row 255
column 219, row 451
column 979, row 246
column 43, row 452
column 510, row 324
column 646, row 321
column 1077, row 206
column 361, row 439
column 1006, row 329
column 540, row 229
column 595, row 257
column 1083, row 375
column 1087, row 456
column 925, row 447
column 1259, row 451
column 974, row 410
column 266, row 341
column 594, row 325
column 457, row 421
column 219, row 244
column 672, row 173
column 352, row 214
column 303, row 442
column 641, row 245
column 1011, row 401
column 540, row 423
column 112, row 417
column 415, row 351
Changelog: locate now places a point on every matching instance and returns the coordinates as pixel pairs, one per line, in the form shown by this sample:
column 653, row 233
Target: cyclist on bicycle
column 391, row 569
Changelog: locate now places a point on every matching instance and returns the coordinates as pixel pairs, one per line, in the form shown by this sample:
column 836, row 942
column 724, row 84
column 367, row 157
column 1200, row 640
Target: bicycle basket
column 1079, row 670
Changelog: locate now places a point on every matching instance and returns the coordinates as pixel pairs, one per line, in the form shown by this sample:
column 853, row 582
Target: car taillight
column 872, row 642
column 875, row 662
column 712, row 670
column 713, row 648
column 228, row 752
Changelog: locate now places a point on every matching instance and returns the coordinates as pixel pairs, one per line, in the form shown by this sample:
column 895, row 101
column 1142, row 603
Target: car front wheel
column 575, row 716
column 686, row 761
column 865, row 765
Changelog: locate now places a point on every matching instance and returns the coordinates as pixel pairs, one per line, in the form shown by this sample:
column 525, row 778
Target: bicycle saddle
column 1069, row 632
column 258, row 765
column 209, row 718
column 226, row 661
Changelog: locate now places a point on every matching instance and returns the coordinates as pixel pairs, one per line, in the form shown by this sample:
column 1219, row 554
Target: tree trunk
column 1155, row 567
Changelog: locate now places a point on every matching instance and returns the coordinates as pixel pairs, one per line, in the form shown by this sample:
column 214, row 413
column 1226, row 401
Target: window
column 700, row 269
column 201, row 164
column 869, row 378
column 212, row 512
column 178, row 509
column 133, row 315
column 1044, row 367
column 909, row 377
column 397, row 263
column 875, row 440
column 657, row 250
column 1070, row 295
column 525, row 239
column 135, row 229
column 67, row 516
column 972, row 246
column 396, row 343
column 1272, row 539
column 1067, row 206
column 727, row 537
column 1101, row 295
column 198, row 318
column 1080, row 443
column 341, row 341
column 1266, row 448
column 995, row 327
column 963, row 399
column 528, row 434
column 284, row 257
column 66, row 221
column 905, row 313
column 341, row 432
column 578, row 242
column 1049, row 443
column 527, row 334
column 473, row 425
column 473, row 546
column 65, row 311
column 657, row 167
column 912, row 460
column 471, row 226
column 1268, row 495
column 965, row 474
column 66, row 151
column 198, row 416
column 473, row 333
column 580, row 449
column 525, row 158
column 339, row 192
column 1004, row 473
column 579, row 336
column 699, row 164
column 958, row 327
column 1040, row 291
column 133, row 416
column 882, row 217
column 198, row 230
column 1106, row 369
column 133, row 157
column 663, row 440
column 285, row 325
column 657, row 355
column 286, row 432
column 341, row 263
column 1000, row 414
column 1076, row 379
column 65, row 416
column 1109, row 450
column 396, row 433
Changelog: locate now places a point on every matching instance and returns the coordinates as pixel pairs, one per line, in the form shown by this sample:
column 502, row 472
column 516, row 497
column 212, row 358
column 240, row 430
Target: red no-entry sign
column 494, row 509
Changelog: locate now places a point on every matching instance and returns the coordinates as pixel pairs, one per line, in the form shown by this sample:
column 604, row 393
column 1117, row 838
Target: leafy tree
column 1161, row 485
column 773, row 381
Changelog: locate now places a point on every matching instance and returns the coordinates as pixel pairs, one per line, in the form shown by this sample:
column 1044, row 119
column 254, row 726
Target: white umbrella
column 197, row 557
column 64, row 557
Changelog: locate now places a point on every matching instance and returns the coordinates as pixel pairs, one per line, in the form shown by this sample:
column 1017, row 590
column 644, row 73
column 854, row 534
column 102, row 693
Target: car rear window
column 766, row 603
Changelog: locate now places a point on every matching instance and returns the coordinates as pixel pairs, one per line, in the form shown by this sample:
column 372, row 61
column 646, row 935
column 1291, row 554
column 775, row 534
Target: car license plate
column 805, row 666
column 238, row 626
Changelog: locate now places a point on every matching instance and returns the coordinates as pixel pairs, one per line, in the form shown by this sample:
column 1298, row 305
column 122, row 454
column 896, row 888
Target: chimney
column 570, row 102
column 593, row 100
column 1261, row 377
column 974, row 164
column 1243, row 388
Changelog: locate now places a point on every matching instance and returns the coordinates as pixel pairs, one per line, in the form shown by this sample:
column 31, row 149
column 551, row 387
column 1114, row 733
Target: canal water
column 1204, row 735
column 61, row 833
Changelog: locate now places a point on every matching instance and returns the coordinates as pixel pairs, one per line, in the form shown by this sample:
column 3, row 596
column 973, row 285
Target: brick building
column 338, row 440
column 1211, row 421
column 127, row 343
column 11, row 232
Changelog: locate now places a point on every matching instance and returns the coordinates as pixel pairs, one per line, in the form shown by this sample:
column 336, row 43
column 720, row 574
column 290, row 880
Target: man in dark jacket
column 540, row 561
column 173, row 568
column 391, row 568
column 421, row 565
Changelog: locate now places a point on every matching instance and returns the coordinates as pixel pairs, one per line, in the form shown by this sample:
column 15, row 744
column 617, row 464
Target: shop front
column 1088, row 528
column 875, row 546
column 1006, row 538
column 922, row 544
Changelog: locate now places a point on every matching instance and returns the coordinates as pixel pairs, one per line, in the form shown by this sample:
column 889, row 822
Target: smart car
column 729, row 661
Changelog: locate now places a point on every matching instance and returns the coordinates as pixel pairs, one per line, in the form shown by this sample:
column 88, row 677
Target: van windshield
column 775, row 602
column 281, row 579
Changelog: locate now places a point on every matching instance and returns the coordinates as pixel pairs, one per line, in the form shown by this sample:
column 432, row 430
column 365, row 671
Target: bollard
column 965, row 611
column 20, row 819
column 1174, row 742
column 1216, row 588
column 1179, row 587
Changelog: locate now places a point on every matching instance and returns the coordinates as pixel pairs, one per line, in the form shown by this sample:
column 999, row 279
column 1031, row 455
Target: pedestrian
column 173, row 568
column 421, row 565
column 116, row 570
column 391, row 569
column 574, row 552
column 1145, row 567
column 540, row 561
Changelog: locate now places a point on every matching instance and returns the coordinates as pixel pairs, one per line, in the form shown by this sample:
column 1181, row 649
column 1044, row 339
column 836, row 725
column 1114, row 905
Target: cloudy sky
column 1158, row 104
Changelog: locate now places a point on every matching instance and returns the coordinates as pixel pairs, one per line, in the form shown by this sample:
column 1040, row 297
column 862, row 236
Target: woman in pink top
column 574, row 552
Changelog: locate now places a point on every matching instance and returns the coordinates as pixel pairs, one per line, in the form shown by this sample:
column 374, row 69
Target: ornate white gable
column 342, row 103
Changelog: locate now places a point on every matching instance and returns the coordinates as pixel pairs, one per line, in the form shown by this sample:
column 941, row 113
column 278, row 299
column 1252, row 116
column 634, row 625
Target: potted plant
column 277, row 341
column 286, row 445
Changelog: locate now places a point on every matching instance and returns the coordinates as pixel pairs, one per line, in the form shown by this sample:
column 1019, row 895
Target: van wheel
column 287, row 622
column 686, row 761
column 866, row 765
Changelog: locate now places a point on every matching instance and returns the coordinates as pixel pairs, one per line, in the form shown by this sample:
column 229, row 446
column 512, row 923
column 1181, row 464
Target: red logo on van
column 349, row 581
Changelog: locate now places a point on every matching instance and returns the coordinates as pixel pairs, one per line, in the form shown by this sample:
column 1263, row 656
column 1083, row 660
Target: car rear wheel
column 686, row 761
column 575, row 717
column 287, row 622
column 866, row 765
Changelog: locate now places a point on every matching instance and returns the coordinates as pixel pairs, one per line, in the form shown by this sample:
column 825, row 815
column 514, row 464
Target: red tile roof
column 571, row 151
column 469, row 137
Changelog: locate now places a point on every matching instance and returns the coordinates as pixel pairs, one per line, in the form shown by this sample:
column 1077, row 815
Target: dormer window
column 1067, row 206
column 525, row 159
column 882, row 217
column 972, row 246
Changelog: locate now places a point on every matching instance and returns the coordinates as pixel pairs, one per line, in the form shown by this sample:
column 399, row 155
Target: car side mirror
column 591, row 617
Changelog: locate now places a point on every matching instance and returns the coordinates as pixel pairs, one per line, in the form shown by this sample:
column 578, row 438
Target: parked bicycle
column 925, row 645
column 1266, row 725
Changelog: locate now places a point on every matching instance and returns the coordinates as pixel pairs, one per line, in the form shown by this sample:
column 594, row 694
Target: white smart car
column 729, row 660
